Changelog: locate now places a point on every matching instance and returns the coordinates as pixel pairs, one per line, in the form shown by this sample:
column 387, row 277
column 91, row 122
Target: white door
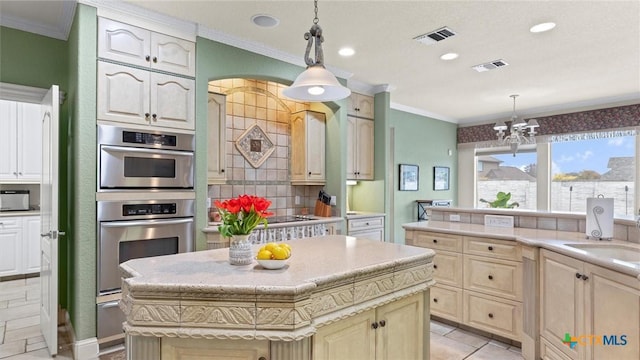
column 49, row 221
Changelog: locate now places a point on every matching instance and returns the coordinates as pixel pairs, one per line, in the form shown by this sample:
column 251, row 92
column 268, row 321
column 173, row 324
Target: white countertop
column 19, row 213
column 313, row 261
column 549, row 239
column 362, row 214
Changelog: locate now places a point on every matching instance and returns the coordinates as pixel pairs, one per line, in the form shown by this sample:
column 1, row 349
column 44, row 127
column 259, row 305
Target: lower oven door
column 130, row 167
column 125, row 240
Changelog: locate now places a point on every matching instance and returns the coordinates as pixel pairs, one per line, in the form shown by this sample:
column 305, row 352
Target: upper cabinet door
column 315, row 146
column 29, row 142
column 173, row 55
column 365, row 106
column 365, row 151
column 123, row 94
column 172, row 103
column 8, row 140
column 122, row 42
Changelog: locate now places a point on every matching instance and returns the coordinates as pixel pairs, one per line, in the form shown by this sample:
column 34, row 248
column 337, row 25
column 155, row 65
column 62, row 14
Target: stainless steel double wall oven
column 154, row 171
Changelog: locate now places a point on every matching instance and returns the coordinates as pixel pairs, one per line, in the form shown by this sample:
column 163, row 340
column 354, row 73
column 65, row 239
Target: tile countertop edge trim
column 548, row 242
column 213, row 227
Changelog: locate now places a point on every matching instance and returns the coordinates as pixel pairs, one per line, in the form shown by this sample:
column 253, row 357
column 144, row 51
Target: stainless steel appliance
column 134, row 229
column 14, row 200
column 149, row 159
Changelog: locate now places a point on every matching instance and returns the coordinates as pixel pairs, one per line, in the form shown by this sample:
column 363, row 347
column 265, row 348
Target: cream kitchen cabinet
column 360, row 148
column 20, row 244
column 216, row 138
column 135, row 96
column 360, row 105
column 366, row 227
column 20, row 142
column 392, row 331
column 587, row 302
column 133, row 45
column 478, row 281
column 308, row 148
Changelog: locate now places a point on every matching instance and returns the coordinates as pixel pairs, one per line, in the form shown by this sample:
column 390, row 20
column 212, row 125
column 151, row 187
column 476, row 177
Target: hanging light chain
column 315, row 4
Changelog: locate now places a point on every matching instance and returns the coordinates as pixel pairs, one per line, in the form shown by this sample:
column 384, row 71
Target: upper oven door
column 131, row 167
column 126, row 240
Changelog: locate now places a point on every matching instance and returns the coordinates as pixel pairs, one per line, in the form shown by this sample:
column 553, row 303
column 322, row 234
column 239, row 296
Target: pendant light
column 316, row 83
column 518, row 134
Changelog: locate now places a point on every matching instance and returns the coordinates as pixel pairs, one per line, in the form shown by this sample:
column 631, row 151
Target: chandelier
column 521, row 132
column 316, row 83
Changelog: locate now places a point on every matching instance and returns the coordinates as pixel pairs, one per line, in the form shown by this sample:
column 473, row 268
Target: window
column 501, row 172
column 588, row 168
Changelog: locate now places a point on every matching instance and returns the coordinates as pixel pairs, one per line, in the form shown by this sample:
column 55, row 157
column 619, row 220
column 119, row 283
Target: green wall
column 216, row 61
column 26, row 65
column 82, row 159
column 425, row 142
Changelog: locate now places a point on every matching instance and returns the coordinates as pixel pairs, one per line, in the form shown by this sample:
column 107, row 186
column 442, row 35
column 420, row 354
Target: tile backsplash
column 261, row 102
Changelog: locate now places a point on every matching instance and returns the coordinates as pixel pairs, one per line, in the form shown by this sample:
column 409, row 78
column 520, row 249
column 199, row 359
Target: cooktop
column 287, row 218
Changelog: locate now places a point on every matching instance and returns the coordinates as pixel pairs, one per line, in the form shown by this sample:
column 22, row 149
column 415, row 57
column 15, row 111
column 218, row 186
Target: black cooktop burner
column 287, row 218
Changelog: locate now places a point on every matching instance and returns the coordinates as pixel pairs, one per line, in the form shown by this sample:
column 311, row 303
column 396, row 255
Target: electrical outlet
column 333, row 201
column 454, row 217
column 208, row 203
column 297, row 200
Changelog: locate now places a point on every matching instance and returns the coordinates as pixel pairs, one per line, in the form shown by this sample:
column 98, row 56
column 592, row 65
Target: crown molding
column 145, row 18
column 60, row 32
column 421, row 112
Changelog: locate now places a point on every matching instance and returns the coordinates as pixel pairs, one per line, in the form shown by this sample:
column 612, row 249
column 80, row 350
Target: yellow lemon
column 280, row 253
column 285, row 245
column 270, row 246
column 264, row 255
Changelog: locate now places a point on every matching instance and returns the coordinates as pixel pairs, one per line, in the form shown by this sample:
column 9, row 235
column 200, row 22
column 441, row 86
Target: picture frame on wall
column 409, row 177
column 440, row 178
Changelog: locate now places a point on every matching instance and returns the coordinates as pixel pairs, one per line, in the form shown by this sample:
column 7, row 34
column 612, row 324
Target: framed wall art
column 408, row 177
column 440, row 178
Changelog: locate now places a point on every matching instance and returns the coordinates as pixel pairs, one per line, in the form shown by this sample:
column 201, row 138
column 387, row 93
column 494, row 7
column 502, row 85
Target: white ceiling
column 590, row 60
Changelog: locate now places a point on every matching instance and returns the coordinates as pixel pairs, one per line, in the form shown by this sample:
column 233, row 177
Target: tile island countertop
column 554, row 240
column 325, row 279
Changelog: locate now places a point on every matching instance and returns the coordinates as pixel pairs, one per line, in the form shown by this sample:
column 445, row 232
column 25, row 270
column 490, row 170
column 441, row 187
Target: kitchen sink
column 613, row 251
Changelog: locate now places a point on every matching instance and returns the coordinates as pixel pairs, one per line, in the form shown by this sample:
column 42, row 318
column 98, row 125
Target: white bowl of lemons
column 274, row 256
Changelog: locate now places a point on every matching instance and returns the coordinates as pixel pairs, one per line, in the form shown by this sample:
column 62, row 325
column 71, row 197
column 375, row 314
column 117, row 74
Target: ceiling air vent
column 490, row 65
column 435, row 36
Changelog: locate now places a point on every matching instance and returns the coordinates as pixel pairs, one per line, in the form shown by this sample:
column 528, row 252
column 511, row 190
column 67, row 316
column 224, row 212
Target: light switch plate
column 498, row 221
column 333, row 201
column 454, row 217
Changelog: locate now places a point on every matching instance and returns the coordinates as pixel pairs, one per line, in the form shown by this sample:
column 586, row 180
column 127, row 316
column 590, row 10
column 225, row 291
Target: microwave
column 144, row 159
column 14, row 200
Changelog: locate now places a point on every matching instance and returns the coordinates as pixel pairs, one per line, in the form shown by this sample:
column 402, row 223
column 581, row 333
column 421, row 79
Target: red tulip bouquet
column 242, row 214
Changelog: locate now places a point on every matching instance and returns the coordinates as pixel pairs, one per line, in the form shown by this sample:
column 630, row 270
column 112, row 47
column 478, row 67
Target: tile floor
column 20, row 337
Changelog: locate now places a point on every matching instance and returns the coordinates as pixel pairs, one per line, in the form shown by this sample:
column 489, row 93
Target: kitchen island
column 338, row 297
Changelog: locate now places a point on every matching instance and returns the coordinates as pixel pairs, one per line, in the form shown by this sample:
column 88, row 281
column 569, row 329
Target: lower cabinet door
column 498, row 316
column 351, row 339
column 400, row 333
column 446, row 302
column 549, row 352
column 200, row 349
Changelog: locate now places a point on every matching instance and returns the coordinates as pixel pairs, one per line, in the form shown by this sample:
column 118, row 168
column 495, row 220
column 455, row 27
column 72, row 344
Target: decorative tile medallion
column 255, row 146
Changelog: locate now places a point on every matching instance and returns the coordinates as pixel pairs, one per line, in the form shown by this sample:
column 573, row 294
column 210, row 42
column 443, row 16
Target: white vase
column 240, row 250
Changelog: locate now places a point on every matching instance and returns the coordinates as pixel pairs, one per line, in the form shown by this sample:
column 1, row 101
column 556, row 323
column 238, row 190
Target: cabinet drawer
column 446, row 302
column 365, row 223
column 447, row 268
column 437, row 241
column 500, row 249
column 493, row 276
column 10, row 223
column 498, row 316
column 375, row 234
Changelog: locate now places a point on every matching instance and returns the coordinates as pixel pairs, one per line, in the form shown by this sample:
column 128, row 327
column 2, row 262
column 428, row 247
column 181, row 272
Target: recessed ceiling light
column 264, row 20
column 346, row 51
column 449, row 56
column 542, row 27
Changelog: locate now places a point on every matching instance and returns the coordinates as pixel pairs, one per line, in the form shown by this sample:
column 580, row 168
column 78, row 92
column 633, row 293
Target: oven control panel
column 135, row 137
column 148, row 209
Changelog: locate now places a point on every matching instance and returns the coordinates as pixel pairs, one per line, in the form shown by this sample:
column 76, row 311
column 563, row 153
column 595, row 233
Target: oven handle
column 117, row 224
column 146, row 151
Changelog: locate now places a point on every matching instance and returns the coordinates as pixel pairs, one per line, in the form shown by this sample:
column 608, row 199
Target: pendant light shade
column 316, row 83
